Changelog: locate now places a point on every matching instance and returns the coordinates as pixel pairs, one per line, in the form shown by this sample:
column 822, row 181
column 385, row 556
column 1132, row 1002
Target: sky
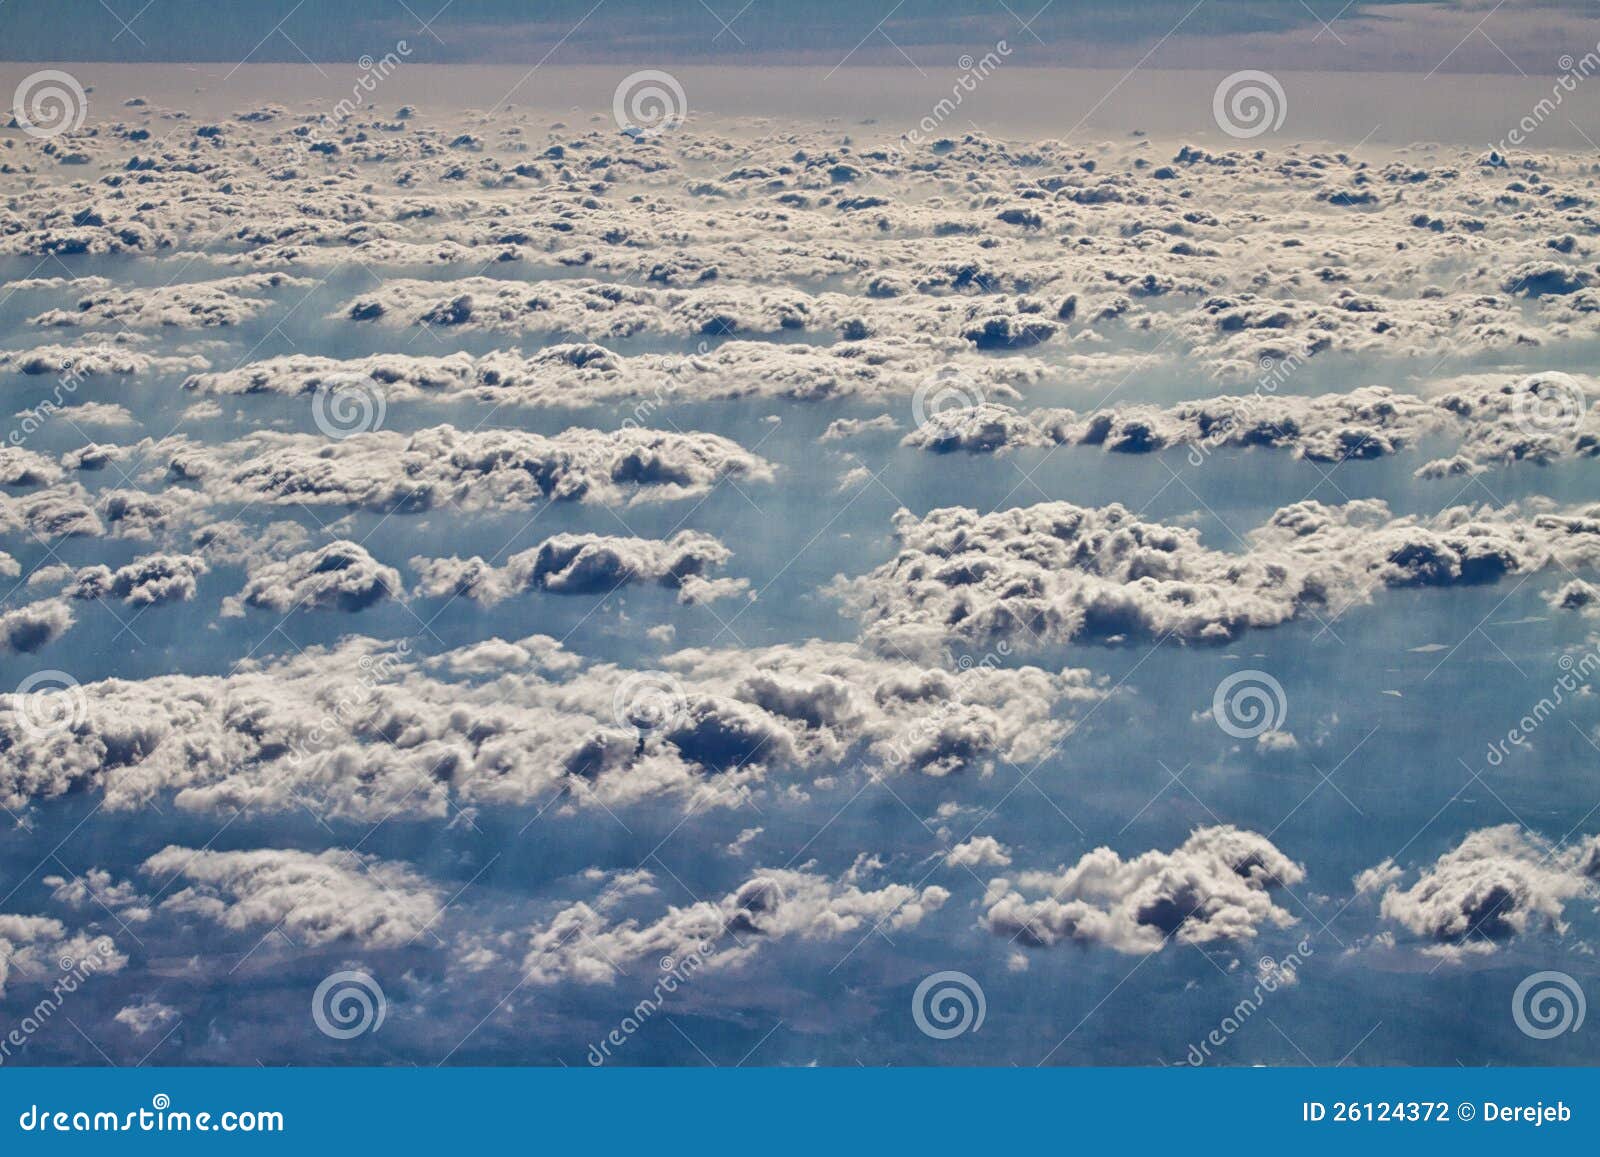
column 649, row 536
column 1515, row 38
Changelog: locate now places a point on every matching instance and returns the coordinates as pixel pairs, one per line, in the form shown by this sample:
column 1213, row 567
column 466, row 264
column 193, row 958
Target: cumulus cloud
column 1494, row 424
column 1216, row 885
column 388, row 471
column 315, row 899
column 583, row 945
column 978, row 852
column 146, row 1017
column 578, row 564
column 226, row 301
column 339, row 576
column 156, row 578
column 365, row 730
column 31, row 627
column 1497, row 883
column 583, row 373
column 1056, row 572
column 38, row 949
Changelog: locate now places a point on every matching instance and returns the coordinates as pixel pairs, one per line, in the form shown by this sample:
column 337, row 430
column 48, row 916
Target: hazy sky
column 1515, row 36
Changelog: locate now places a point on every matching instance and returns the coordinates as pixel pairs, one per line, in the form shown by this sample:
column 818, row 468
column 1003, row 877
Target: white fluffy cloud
column 1216, row 885
column 315, row 899
column 1055, row 571
column 576, row 564
column 584, row 944
column 1497, row 883
column 341, row 575
column 361, row 730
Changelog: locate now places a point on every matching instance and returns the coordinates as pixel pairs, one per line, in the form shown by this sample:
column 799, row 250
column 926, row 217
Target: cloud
column 37, row 950
column 1493, row 425
column 156, row 578
column 365, row 730
column 315, row 899
column 978, row 852
column 31, row 627
column 339, row 576
column 474, row 470
column 584, row 374
column 1056, row 572
column 1496, row 884
column 1215, row 886
column 226, row 301
column 576, row 564
column 146, row 1017
column 581, row 944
